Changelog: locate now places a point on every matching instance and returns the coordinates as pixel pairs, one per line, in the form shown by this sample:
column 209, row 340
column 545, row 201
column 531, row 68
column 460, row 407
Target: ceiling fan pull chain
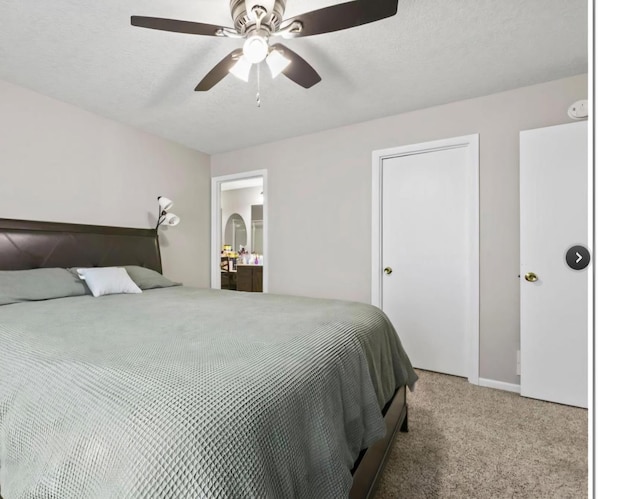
column 258, row 92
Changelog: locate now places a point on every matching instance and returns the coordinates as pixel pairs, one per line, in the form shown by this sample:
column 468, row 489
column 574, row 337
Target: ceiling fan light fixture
column 277, row 62
column 255, row 49
column 241, row 69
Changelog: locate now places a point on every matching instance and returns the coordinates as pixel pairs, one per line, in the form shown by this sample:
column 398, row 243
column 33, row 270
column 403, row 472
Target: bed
column 183, row 392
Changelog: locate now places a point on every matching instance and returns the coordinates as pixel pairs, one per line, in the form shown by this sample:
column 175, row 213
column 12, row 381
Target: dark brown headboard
column 27, row 244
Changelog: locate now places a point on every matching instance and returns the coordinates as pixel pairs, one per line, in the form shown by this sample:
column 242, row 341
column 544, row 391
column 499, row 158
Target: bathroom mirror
column 256, row 228
column 235, row 232
column 256, row 236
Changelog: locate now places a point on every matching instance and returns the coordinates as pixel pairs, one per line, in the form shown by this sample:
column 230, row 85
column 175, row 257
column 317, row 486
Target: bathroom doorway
column 239, row 232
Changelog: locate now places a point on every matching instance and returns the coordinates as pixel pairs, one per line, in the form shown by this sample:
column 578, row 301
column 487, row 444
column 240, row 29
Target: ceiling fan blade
column 342, row 16
column 218, row 72
column 299, row 71
column 177, row 26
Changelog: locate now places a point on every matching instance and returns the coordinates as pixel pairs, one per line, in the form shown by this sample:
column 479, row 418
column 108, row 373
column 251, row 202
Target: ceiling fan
column 256, row 21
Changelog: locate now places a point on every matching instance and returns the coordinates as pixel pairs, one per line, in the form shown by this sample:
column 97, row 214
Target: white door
column 429, row 242
column 553, row 308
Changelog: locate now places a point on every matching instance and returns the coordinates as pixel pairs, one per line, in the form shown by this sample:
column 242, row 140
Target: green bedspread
column 188, row 393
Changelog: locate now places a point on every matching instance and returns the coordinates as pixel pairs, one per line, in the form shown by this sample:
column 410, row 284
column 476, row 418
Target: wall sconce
column 164, row 217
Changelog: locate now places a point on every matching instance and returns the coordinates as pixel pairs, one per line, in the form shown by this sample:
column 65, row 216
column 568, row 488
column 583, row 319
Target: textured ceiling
column 433, row 51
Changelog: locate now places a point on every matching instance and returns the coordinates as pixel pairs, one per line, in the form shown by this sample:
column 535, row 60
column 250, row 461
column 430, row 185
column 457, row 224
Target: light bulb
column 255, row 49
column 277, row 62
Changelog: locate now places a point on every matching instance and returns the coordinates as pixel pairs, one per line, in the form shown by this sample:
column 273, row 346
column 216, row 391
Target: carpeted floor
column 466, row 441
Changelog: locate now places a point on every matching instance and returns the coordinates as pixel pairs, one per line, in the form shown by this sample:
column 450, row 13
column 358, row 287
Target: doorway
column 425, row 251
column 239, row 232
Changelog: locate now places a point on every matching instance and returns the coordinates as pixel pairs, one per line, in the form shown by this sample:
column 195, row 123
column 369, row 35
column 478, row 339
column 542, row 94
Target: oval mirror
column 235, row 232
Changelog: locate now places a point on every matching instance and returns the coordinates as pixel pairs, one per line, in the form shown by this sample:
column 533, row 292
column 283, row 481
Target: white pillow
column 108, row 281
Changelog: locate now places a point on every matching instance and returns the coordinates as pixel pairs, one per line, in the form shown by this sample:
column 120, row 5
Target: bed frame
column 28, row 244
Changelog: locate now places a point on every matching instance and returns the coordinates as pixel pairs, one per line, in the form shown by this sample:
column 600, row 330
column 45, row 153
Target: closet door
column 553, row 296
column 428, row 266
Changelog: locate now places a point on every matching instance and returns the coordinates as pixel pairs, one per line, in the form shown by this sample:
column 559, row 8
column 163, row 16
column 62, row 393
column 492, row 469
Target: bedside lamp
column 164, row 217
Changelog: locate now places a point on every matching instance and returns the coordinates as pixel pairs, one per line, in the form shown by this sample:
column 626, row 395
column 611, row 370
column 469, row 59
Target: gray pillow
column 39, row 284
column 147, row 278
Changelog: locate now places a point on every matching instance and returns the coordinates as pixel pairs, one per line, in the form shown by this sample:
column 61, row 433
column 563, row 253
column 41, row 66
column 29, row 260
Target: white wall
column 63, row 164
column 239, row 201
column 320, row 202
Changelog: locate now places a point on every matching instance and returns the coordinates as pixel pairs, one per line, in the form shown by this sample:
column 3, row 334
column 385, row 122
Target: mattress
column 183, row 392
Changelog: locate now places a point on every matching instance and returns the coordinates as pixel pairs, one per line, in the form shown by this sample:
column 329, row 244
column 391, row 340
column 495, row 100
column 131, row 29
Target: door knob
column 530, row 277
column 388, row 270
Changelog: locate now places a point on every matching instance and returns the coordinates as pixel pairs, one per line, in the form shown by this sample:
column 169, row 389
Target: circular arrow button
column 578, row 257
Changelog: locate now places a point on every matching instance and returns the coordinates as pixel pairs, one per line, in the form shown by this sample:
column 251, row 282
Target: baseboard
column 499, row 385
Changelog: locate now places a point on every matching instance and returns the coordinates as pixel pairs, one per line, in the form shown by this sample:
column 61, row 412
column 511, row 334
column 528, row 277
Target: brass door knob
column 530, row 277
column 388, row 270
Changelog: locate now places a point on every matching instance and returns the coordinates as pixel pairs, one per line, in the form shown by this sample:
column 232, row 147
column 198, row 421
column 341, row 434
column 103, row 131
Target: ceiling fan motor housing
column 243, row 22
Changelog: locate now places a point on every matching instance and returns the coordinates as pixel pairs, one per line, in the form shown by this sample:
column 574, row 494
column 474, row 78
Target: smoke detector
column 579, row 110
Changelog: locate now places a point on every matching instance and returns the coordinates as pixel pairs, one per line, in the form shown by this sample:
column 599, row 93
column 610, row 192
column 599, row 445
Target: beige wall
column 319, row 197
column 60, row 163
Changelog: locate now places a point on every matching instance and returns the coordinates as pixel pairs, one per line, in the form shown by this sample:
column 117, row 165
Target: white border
column 590, row 245
column 216, row 243
column 471, row 142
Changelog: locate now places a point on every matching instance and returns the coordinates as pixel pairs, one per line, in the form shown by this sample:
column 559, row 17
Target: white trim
column 242, row 183
column 471, row 142
column 499, row 385
column 216, row 244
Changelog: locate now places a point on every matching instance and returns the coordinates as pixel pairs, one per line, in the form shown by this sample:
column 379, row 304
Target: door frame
column 216, row 222
column 472, row 143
